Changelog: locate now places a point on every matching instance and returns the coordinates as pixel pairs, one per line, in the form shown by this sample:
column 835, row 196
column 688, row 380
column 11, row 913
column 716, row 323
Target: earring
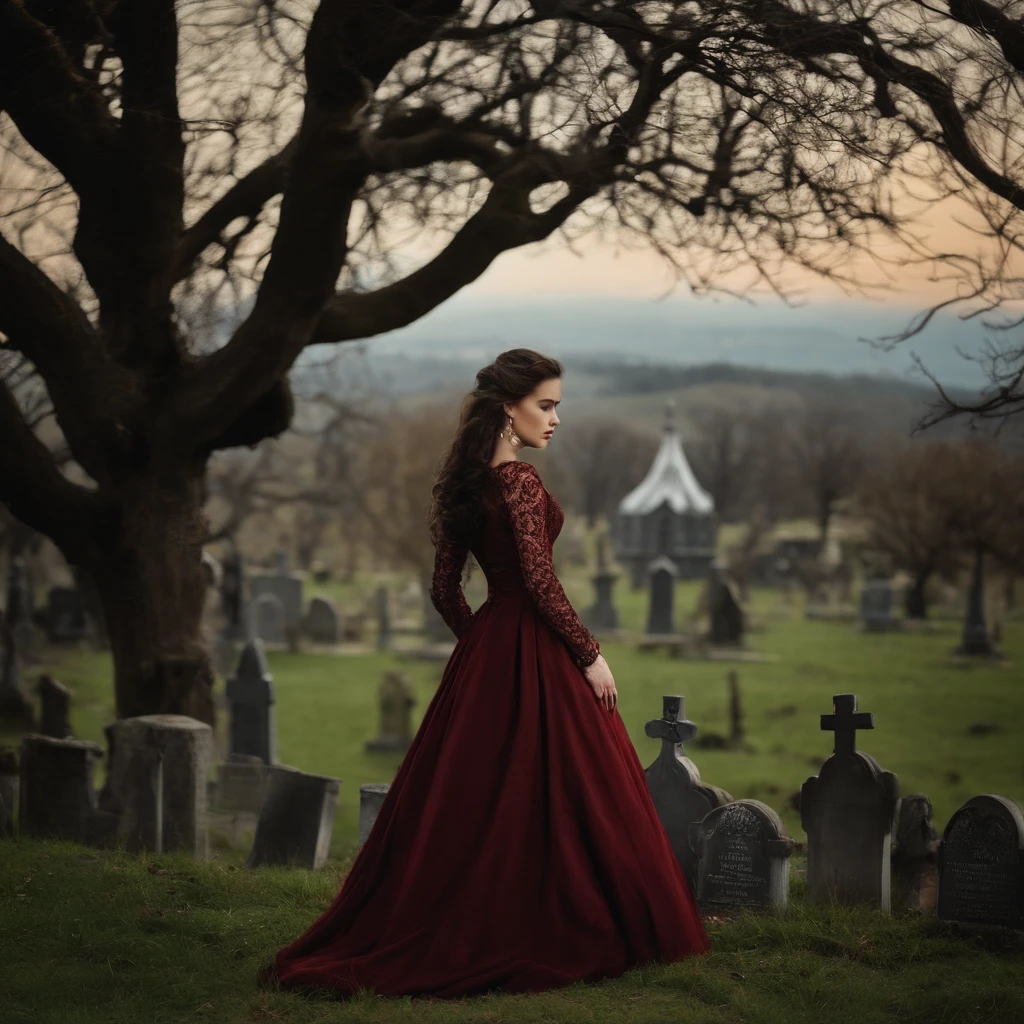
column 513, row 438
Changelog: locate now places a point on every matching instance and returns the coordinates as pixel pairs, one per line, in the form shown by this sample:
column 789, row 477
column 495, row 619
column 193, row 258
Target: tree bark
column 146, row 559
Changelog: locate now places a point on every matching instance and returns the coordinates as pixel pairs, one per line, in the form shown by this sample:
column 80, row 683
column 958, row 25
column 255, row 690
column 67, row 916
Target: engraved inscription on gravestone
column 981, row 863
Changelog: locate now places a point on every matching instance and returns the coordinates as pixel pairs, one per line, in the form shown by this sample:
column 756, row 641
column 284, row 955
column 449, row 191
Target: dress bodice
column 521, row 522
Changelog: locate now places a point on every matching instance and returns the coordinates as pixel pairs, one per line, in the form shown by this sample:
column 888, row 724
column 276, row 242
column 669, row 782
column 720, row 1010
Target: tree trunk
column 916, row 601
column 148, row 572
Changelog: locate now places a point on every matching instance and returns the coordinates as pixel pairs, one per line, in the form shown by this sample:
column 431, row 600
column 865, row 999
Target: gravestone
column 157, row 781
column 848, row 811
column 268, row 619
column 915, row 872
column 15, row 706
column 66, row 621
column 724, row 611
column 295, row 820
column 876, row 606
column 287, row 590
column 8, row 787
column 981, row 863
column 56, row 798
column 250, row 697
column 323, row 623
column 242, row 783
column 661, row 575
column 678, row 794
column 55, row 707
column 371, row 799
column 743, row 850
column 396, row 701
column 602, row 614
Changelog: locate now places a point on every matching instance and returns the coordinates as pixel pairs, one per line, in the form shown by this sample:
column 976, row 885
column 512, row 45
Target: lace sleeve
column 446, row 586
column 527, row 508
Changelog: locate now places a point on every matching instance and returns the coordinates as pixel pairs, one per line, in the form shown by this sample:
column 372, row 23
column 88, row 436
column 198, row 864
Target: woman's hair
column 456, row 510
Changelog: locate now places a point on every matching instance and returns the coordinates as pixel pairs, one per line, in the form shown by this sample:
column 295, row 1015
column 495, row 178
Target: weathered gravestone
column 602, row 614
column 56, row 798
column 323, row 623
column 8, row 787
column 876, row 606
column 679, row 796
column 661, row 574
column 287, row 590
column 295, row 820
column 915, row 872
column 848, row 811
column 727, row 621
column 981, row 863
column 66, row 620
column 55, row 708
column 743, row 850
column 396, row 703
column 268, row 620
column 250, row 697
column 157, row 782
column 371, row 799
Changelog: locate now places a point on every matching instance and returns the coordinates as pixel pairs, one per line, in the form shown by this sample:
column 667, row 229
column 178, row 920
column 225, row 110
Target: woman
column 518, row 848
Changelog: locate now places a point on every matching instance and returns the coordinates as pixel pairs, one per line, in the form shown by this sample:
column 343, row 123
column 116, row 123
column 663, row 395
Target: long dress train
column 518, row 847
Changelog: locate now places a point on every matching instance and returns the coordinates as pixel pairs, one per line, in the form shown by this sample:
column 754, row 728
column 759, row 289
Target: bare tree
column 723, row 456
column 325, row 172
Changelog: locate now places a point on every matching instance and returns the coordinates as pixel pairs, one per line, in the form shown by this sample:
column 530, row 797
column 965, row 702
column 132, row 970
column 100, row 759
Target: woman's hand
column 599, row 675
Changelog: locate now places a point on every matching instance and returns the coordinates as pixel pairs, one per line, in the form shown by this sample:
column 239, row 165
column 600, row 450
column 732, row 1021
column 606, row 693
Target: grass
column 91, row 936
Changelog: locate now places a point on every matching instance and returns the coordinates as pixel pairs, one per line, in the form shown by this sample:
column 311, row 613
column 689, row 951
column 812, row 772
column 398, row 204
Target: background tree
column 333, row 171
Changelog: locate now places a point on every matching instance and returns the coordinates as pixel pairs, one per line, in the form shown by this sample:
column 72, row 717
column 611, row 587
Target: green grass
column 92, row 936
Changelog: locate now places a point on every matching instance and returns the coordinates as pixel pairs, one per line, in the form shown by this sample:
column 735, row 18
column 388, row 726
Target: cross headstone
column 396, row 703
column 323, row 622
column 295, row 820
column 981, row 863
column 876, row 605
column 848, row 811
column 268, row 619
column 251, row 699
column 8, row 787
column 678, row 794
column 744, row 852
column 661, row 573
column 66, row 621
column 55, row 706
column 371, row 799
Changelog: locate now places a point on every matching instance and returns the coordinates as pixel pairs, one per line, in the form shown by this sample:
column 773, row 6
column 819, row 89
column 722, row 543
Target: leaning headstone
column 183, row 748
column 66, row 621
column 396, row 703
column 678, row 794
column 323, row 623
column 287, row 590
column 876, row 606
column 848, row 811
column 268, row 619
column 981, row 863
column 661, row 574
column 743, row 850
column 55, row 707
column 915, row 872
column 8, row 787
column 371, row 799
column 251, row 699
column 56, row 798
column 295, row 820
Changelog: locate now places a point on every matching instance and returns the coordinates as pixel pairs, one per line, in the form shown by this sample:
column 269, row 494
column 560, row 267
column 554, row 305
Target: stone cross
column 678, row 794
column 849, row 812
column 844, row 721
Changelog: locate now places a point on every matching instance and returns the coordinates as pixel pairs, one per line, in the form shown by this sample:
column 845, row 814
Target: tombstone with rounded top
column 849, row 812
column 323, row 622
column 267, row 620
column 678, row 794
column 981, row 863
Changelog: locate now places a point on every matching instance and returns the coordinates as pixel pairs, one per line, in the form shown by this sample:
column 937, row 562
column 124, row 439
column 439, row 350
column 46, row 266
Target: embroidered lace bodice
column 515, row 551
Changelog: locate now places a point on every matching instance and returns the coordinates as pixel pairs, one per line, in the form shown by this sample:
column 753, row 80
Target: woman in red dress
column 517, row 848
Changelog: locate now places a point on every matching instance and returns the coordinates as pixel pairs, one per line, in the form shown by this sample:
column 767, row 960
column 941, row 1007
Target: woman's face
column 534, row 417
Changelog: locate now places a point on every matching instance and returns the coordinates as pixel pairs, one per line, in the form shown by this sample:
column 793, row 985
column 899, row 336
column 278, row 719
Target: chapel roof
column 669, row 480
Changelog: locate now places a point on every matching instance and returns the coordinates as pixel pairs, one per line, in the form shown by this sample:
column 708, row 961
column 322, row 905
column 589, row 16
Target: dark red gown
column 518, row 848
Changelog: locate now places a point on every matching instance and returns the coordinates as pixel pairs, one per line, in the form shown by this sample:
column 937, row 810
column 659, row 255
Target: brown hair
column 456, row 510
